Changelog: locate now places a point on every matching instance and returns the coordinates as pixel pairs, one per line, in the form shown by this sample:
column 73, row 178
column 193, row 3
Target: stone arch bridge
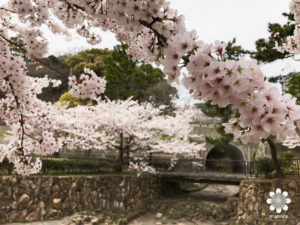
column 218, row 164
column 228, row 164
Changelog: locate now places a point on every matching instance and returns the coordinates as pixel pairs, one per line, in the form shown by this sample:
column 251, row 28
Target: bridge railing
column 227, row 166
column 289, row 167
column 294, row 169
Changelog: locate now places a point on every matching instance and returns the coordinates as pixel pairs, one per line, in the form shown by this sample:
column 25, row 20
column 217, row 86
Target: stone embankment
column 252, row 204
column 37, row 198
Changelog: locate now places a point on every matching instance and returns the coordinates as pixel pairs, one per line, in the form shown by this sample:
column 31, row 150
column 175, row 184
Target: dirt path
column 147, row 219
column 53, row 222
column 151, row 219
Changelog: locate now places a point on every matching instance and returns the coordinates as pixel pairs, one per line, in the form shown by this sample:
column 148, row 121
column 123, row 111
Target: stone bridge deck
column 204, row 176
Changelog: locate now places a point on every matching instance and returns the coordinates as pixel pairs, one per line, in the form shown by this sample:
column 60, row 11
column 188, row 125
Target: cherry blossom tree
column 292, row 45
column 156, row 33
column 134, row 130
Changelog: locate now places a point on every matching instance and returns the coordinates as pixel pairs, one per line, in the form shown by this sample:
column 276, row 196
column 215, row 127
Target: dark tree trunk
column 121, row 150
column 127, row 155
column 150, row 158
column 128, row 142
column 279, row 172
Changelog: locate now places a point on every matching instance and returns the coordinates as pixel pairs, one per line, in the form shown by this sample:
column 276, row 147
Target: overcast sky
column 246, row 20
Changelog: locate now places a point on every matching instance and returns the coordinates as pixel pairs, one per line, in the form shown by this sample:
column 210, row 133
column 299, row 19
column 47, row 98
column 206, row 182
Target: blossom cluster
column 268, row 113
column 292, row 43
column 89, row 85
column 30, row 119
column 139, row 125
column 155, row 33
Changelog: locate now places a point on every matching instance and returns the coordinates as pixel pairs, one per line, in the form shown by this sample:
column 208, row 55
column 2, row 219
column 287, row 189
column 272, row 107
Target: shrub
column 75, row 166
column 266, row 166
column 6, row 167
column 286, row 160
column 67, row 166
column 263, row 166
column 68, row 100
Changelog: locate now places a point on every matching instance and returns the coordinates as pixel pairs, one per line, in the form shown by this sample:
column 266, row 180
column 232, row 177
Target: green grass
column 63, row 166
column 118, row 216
column 3, row 130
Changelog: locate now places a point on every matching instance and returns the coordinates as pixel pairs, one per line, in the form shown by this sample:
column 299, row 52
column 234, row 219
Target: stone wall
column 253, row 208
column 49, row 197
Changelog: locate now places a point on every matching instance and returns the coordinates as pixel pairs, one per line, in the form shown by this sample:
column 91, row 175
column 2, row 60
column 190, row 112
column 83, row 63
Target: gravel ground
column 147, row 219
column 53, row 222
column 151, row 219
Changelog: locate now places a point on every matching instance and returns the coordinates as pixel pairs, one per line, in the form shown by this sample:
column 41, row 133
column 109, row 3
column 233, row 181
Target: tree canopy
column 54, row 68
column 126, row 77
column 266, row 53
column 155, row 33
column 265, row 48
column 232, row 51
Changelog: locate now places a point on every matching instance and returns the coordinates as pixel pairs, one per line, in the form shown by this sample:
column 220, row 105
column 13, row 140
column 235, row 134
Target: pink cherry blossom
column 156, row 33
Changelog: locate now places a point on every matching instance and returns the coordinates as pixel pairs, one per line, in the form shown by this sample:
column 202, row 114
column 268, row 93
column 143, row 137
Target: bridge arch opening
column 226, row 158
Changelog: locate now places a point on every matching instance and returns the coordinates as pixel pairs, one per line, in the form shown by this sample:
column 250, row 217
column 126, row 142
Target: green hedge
column 60, row 166
column 6, row 167
column 263, row 166
column 266, row 166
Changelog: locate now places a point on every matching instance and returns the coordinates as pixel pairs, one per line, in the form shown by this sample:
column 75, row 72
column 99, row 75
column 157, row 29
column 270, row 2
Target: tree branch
column 21, row 47
column 21, row 121
column 162, row 40
column 8, row 10
column 279, row 172
column 74, row 5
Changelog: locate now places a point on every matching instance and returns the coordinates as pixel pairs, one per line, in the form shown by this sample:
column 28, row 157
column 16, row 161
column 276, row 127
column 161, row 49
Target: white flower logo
column 278, row 200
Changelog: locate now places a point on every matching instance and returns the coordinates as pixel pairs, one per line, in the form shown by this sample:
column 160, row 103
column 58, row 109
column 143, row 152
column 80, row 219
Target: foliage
column 160, row 94
column 159, row 163
column 293, row 85
column 263, row 166
column 266, row 52
column 234, row 51
column 160, row 38
column 51, row 66
column 224, row 114
column 15, row 50
column 265, row 48
column 67, row 166
column 131, row 129
column 55, row 68
column 125, row 75
column 6, row 167
column 165, row 137
column 3, row 131
column 70, row 101
column 92, row 59
column 266, row 166
column 286, row 159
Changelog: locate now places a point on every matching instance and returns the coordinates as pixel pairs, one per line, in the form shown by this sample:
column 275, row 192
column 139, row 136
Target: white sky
column 247, row 20
column 213, row 19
